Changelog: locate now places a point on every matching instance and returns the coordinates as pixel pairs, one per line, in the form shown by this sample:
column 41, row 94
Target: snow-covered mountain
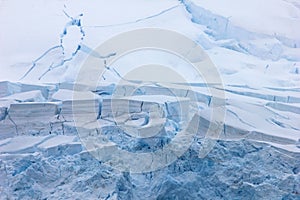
column 140, row 139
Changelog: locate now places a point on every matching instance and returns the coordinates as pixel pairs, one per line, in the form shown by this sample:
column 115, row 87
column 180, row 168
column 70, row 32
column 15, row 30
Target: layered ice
column 43, row 156
column 49, row 133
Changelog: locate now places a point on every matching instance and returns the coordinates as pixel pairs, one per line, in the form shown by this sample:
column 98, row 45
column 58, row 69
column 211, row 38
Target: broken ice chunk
column 32, row 111
column 31, row 96
column 7, row 88
column 82, row 110
column 175, row 108
column 32, row 118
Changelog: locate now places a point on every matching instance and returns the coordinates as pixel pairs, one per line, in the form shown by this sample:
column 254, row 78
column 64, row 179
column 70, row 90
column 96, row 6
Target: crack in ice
column 137, row 20
column 80, row 46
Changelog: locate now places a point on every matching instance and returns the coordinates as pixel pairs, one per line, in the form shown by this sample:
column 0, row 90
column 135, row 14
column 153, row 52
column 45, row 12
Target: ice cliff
column 255, row 47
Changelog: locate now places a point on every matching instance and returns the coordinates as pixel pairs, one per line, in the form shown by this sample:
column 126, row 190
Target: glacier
column 49, row 141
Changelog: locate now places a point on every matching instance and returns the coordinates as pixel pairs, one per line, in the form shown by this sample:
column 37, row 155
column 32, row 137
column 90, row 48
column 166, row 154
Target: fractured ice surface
column 36, row 131
column 80, row 109
column 257, row 132
column 3, row 113
column 256, row 155
column 32, row 111
column 172, row 107
column 31, row 96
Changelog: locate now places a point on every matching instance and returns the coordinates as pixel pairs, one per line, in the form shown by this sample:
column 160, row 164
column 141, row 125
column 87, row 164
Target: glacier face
column 232, row 170
column 256, row 155
column 42, row 155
